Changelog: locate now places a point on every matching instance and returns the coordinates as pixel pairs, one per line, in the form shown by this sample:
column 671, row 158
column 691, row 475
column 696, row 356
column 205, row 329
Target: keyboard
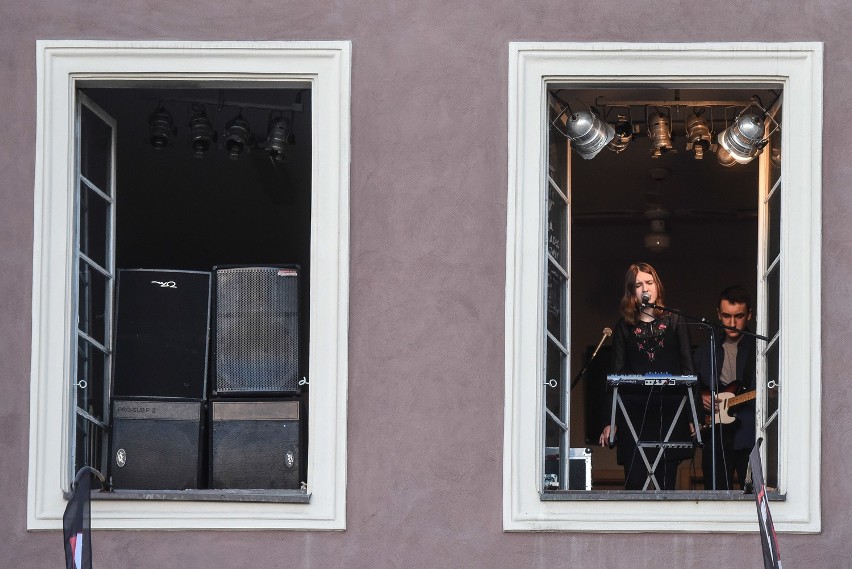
column 651, row 380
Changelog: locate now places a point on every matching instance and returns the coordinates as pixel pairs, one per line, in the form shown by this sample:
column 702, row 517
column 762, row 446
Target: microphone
column 646, row 297
column 606, row 333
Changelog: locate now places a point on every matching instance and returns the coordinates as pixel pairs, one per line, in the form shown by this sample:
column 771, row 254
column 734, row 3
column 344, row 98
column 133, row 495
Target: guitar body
column 722, row 416
column 727, row 400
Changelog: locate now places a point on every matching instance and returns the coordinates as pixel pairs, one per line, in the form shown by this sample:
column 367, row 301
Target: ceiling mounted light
column 699, row 139
column 160, row 127
column 746, row 137
column 588, row 133
column 201, row 132
column 278, row 137
column 724, row 157
column 657, row 240
column 623, row 134
column 237, row 136
column 660, row 133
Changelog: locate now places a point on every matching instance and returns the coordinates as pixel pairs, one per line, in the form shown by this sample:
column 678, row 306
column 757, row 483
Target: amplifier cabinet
column 256, row 338
column 156, row 444
column 255, row 444
column 579, row 468
column 161, row 333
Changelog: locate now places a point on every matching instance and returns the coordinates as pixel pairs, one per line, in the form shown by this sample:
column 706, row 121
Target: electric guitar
column 726, row 401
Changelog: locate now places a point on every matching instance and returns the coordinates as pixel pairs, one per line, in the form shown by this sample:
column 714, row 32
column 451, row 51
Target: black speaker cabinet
column 255, row 444
column 579, row 468
column 161, row 333
column 256, row 339
column 156, row 444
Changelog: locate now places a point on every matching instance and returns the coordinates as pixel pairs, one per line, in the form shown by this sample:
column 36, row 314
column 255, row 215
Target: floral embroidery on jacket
column 650, row 337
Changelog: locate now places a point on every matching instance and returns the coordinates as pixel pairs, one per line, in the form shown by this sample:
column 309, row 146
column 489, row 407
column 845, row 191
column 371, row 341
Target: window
column 539, row 278
column 68, row 421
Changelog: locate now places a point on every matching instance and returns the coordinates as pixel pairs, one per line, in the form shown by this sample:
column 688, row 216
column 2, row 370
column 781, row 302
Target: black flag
column 771, row 557
column 76, row 523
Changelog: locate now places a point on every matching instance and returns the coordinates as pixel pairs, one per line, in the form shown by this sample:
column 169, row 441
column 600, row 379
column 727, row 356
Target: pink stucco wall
column 428, row 209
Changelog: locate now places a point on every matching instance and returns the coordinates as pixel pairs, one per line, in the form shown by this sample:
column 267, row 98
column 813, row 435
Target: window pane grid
column 94, row 282
column 90, row 185
column 557, row 366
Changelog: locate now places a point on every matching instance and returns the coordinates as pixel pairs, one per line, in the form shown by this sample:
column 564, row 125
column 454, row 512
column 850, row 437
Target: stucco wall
column 428, row 205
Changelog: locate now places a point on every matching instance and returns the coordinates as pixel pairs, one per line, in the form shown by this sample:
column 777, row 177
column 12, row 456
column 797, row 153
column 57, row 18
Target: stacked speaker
column 172, row 430
column 255, row 434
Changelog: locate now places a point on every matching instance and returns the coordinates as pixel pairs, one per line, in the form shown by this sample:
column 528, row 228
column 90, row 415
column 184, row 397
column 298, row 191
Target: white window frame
column 61, row 66
column 534, row 66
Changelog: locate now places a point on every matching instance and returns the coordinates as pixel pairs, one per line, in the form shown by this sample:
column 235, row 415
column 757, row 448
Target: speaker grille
column 257, row 330
column 155, row 445
column 255, row 445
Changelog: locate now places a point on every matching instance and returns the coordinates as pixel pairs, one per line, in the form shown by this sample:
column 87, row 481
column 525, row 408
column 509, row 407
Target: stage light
column 724, row 157
column 699, row 139
column 588, row 133
column 160, row 128
column 744, row 139
column 201, row 132
column 623, row 134
column 237, row 136
column 660, row 133
column 278, row 137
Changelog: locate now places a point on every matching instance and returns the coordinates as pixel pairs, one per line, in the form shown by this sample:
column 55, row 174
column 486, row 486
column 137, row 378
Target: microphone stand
column 714, row 387
column 607, row 332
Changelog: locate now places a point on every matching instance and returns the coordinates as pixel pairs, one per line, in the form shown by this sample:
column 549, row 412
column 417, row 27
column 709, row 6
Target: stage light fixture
column 699, row 139
column 160, row 127
column 588, row 133
column 278, row 137
column 744, row 139
column 623, row 134
column 660, row 133
column 724, row 157
column 201, row 132
column 237, row 136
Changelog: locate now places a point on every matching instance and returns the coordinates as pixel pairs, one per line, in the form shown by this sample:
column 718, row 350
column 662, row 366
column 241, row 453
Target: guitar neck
column 742, row 398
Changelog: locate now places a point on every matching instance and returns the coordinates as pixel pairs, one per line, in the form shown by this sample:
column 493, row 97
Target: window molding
column 532, row 66
column 61, row 66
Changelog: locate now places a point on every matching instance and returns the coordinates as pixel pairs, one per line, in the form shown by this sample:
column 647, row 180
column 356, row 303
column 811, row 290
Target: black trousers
column 731, row 463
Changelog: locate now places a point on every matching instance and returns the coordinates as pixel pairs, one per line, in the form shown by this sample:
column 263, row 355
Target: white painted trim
column 532, row 66
column 60, row 66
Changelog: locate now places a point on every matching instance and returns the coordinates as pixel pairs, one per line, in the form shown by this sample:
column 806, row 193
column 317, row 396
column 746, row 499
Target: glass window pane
column 89, row 444
column 773, row 291
column 95, row 149
column 557, row 218
column 771, row 436
column 94, row 221
column 92, row 303
column 774, row 220
column 558, row 159
column 775, row 156
column 92, row 367
column 554, row 372
column 555, row 303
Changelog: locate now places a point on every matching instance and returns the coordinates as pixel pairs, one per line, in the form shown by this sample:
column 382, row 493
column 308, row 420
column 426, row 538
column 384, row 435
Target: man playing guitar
column 735, row 369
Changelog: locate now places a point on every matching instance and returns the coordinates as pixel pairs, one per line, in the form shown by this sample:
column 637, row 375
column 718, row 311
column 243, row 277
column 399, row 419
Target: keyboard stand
column 661, row 446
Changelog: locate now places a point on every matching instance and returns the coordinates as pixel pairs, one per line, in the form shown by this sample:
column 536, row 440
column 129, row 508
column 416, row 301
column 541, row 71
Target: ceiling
column 633, row 187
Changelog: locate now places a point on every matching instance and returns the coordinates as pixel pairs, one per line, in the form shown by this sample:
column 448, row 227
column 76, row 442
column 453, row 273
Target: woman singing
column 649, row 340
